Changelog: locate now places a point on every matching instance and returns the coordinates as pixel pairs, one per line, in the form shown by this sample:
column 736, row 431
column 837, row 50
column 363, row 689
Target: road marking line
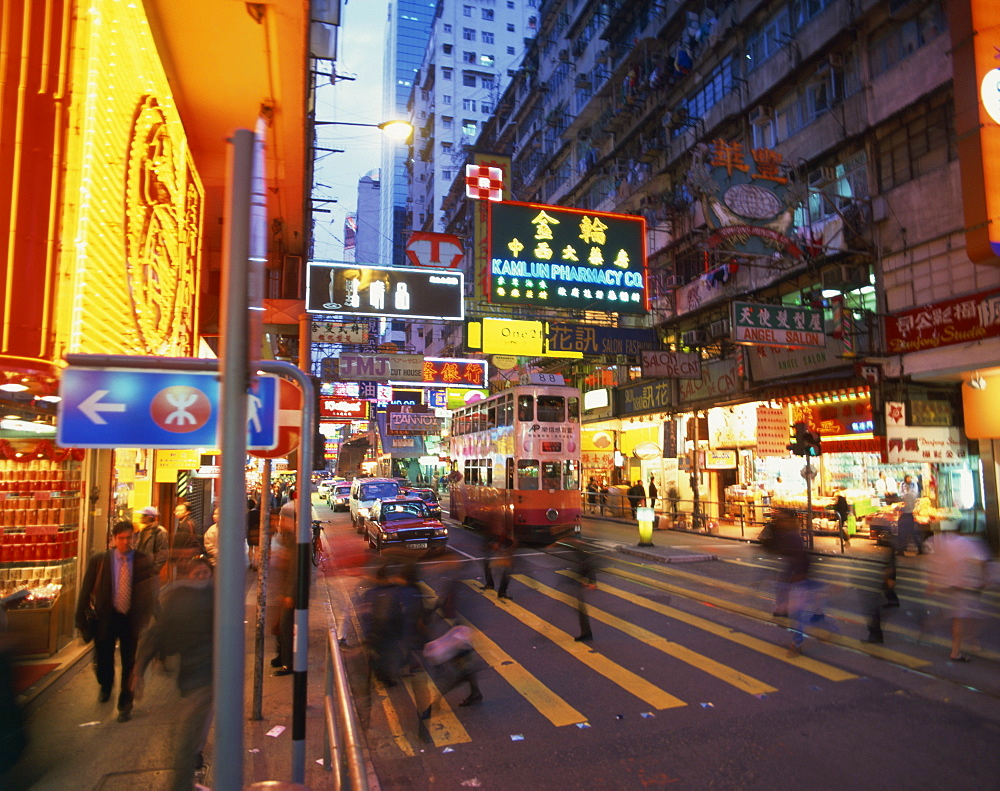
column 701, row 662
column 547, row 702
column 442, row 726
column 626, row 679
column 761, row 646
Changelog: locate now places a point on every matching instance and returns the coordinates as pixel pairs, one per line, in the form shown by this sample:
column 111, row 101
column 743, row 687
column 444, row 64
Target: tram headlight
column 552, row 514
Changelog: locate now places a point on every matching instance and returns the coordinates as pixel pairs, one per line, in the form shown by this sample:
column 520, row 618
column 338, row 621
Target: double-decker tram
column 516, row 458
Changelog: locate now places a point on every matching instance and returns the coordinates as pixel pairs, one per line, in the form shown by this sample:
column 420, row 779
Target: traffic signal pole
column 809, row 502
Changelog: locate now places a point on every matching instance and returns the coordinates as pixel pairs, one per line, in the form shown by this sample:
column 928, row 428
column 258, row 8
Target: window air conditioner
column 821, row 177
column 694, row 338
column 845, row 278
column 719, row 329
column 761, row 114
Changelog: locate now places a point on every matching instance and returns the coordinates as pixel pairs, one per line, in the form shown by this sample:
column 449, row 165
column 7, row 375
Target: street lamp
column 395, row 130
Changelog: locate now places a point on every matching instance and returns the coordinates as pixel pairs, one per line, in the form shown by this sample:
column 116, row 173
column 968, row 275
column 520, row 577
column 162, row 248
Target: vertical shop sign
column 772, row 431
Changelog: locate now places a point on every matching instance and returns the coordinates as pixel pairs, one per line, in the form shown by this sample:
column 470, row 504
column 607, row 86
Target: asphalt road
column 687, row 683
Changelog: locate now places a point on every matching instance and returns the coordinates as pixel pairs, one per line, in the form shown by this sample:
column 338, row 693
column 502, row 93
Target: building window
column 467, row 10
column 468, row 34
column 510, row 4
column 487, row 82
column 469, row 57
column 469, row 104
column 447, row 28
column 488, row 14
column 899, row 40
column 469, row 80
column 485, row 108
column 510, row 50
column 446, row 49
column 446, row 73
column 445, row 175
column 423, row 94
column 446, row 99
column 510, row 27
column 919, row 141
column 486, row 60
column 446, row 145
column 446, row 122
column 487, row 37
column 469, row 127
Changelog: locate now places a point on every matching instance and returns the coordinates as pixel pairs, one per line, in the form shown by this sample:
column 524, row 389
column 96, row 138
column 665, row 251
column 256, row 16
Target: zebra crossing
column 526, row 679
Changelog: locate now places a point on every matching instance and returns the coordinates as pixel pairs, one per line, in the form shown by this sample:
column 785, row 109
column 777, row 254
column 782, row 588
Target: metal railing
column 342, row 746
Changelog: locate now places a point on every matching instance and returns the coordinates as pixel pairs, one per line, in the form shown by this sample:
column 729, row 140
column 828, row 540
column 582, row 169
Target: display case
column 39, row 544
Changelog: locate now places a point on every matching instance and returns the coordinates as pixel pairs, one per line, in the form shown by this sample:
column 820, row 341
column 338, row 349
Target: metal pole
column 263, row 559
column 809, row 502
column 234, row 373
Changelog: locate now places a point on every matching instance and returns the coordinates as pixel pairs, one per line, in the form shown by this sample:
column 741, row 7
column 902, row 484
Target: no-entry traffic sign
column 139, row 408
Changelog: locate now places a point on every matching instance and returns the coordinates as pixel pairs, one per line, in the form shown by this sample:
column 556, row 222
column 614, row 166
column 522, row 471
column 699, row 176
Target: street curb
column 640, row 553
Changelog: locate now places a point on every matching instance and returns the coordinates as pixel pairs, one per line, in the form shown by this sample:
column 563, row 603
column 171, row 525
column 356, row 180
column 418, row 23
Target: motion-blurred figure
column 888, row 591
column 956, row 573
column 184, row 628
column 382, row 623
column 253, row 533
column 585, row 567
column 13, row 734
column 783, row 537
column 502, row 564
column 906, row 532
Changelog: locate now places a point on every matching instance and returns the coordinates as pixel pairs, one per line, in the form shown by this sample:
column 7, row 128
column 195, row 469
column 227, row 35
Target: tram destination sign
column 778, row 325
column 566, row 258
column 385, row 291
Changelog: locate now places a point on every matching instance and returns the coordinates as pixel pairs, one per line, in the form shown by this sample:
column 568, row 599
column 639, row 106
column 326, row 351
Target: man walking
column 905, row 525
column 152, row 539
column 636, row 495
column 118, row 584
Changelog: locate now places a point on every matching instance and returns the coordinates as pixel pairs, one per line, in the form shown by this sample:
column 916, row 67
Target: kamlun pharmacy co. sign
column 566, row 258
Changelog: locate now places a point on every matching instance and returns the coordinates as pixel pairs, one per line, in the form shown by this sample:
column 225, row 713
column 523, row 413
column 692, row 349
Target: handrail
column 342, row 746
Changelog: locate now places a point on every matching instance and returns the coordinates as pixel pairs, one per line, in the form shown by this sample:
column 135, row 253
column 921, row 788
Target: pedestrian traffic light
column 798, row 445
column 812, row 444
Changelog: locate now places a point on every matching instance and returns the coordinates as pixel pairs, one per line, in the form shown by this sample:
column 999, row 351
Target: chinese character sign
column 566, row 258
column 962, row 320
column 455, row 372
column 778, row 325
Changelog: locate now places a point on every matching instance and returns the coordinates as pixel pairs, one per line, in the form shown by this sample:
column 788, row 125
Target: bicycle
column 316, row 545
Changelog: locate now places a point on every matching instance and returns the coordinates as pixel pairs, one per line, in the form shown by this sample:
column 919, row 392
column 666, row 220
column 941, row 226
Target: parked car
column 339, row 496
column 403, row 522
column 429, row 496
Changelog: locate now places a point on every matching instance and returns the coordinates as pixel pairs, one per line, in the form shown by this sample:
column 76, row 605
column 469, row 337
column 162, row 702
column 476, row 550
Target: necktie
column 123, row 596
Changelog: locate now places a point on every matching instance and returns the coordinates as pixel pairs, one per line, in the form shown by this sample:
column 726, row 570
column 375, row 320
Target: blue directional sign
column 138, row 408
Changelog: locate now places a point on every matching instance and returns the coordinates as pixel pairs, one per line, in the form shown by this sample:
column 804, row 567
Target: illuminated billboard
column 385, row 291
column 566, row 258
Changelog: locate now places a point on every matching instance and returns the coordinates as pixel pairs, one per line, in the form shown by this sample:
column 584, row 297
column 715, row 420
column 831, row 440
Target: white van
column 364, row 493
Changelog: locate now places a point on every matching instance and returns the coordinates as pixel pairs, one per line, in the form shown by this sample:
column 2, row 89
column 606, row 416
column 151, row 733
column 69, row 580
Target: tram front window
column 551, row 475
column 551, row 409
column 571, row 475
column 527, row 474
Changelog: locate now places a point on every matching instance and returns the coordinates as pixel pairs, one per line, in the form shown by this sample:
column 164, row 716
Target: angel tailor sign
column 566, row 258
column 778, row 325
column 385, row 291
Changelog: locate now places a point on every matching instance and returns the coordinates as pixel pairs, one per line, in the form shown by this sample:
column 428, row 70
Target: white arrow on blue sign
column 138, row 408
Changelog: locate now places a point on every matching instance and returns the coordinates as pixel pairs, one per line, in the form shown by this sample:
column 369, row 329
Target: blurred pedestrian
column 13, row 733
column 842, row 509
column 636, row 497
column 957, row 574
column 502, row 564
column 454, row 654
column 593, row 493
column 887, row 590
column 285, row 567
column 185, row 628
column 489, row 553
column 652, row 493
column 414, row 613
column 187, row 541
column 118, row 588
column 253, row 533
column 585, row 567
column 906, row 533
column 784, row 539
column 211, row 539
column 382, row 625
column 152, row 538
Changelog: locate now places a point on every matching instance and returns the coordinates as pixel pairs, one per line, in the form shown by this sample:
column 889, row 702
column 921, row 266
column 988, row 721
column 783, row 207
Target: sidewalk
column 75, row 742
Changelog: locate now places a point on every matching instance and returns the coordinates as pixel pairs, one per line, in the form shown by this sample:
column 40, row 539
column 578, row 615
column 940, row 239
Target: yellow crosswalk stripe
column 443, row 726
column 548, row 703
column 722, row 672
column 626, row 679
column 761, row 646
